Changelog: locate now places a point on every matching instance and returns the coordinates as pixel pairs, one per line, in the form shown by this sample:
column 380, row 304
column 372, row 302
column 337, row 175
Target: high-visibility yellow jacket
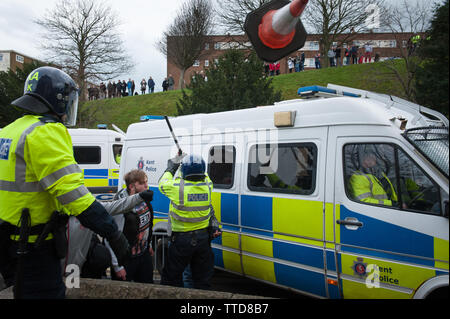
column 190, row 202
column 38, row 171
column 367, row 188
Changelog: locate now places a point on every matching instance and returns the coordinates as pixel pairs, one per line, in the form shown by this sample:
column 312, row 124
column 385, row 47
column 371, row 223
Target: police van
column 98, row 153
column 291, row 212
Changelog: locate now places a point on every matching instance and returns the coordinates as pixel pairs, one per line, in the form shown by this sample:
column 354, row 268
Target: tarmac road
column 225, row 281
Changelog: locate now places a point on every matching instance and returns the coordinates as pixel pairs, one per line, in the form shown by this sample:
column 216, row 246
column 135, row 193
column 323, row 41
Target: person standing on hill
column 151, row 85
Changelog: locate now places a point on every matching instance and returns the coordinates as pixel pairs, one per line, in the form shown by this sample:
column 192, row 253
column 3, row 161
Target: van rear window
column 283, row 168
column 221, row 164
column 87, row 154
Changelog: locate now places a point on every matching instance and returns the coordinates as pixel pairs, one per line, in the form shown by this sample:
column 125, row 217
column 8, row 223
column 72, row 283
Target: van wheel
column 160, row 248
column 440, row 293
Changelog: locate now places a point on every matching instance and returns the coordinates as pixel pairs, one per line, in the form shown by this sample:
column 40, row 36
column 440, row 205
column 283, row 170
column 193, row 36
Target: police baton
column 180, row 152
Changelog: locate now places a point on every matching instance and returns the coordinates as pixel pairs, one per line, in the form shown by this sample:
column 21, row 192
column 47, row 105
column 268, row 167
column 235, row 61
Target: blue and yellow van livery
column 97, row 152
column 285, row 198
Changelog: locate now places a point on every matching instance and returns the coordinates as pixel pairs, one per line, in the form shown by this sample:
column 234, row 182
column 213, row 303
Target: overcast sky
column 143, row 23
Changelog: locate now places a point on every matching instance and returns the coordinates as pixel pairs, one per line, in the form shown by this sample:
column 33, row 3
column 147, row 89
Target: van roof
column 93, row 132
column 369, row 109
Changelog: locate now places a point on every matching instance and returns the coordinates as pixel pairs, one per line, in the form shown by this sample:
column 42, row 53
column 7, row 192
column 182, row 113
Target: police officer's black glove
column 121, row 248
column 172, row 166
column 174, row 163
column 147, row 195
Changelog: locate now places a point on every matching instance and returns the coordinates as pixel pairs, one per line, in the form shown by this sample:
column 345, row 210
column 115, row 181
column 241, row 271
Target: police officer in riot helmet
column 190, row 219
column 40, row 185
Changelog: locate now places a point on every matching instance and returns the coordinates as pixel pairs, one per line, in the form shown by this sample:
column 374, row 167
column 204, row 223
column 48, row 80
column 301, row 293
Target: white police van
column 283, row 192
column 98, row 153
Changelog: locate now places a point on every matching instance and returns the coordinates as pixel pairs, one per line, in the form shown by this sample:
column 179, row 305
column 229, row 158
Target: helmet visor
column 72, row 108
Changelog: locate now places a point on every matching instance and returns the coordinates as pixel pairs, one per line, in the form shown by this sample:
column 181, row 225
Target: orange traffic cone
column 277, row 28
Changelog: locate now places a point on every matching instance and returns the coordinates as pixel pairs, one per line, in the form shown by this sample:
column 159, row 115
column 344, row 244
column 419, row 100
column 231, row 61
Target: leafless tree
column 232, row 13
column 82, row 37
column 407, row 16
column 185, row 39
column 339, row 20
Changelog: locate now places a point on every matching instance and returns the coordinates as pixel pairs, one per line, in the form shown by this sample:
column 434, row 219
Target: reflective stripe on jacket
column 38, row 171
column 367, row 188
column 190, row 202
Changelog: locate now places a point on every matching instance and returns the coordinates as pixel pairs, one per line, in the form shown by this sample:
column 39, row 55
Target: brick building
column 386, row 45
column 10, row 59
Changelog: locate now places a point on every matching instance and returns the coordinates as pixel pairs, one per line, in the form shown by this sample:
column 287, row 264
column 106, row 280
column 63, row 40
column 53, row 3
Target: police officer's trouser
column 42, row 272
column 189, row 248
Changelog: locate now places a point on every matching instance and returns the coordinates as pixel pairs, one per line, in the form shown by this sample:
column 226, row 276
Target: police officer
column 189, row 215
column 38, row 176
column 368, row 188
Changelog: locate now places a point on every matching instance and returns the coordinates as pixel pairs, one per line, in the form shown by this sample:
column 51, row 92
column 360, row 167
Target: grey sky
column 143, row 23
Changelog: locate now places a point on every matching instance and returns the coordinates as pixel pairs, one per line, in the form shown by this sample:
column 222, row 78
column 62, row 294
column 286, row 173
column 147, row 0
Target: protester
column 368, row 53
column 317, row 60
column 143, row 86
column 165, row 85
column 337, row 56
column 151, row 85
column 137, row 227
column 331, row 56
column 171, row 82
column 129, row 86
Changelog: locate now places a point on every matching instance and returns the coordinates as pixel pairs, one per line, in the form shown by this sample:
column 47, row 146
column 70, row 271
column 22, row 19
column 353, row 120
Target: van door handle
column 350, row 223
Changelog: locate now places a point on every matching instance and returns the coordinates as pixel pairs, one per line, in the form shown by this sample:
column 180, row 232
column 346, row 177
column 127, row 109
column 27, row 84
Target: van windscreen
column 432, row 142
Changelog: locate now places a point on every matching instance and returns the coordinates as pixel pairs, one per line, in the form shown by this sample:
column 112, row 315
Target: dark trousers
column 189, row 248
column 139, row 269
column 42, row 275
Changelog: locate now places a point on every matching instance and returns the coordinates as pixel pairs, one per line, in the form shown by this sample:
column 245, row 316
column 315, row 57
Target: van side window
column 117, row 152
column 87, row 154
column 384, row 175
column 283, row 168
column 221, row 164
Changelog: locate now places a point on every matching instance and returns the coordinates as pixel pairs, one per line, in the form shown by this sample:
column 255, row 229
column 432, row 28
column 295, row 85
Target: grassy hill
column 124, row 111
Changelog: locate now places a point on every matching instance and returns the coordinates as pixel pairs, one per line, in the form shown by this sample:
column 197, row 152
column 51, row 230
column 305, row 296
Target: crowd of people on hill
column 352, row 55
column 123, row 88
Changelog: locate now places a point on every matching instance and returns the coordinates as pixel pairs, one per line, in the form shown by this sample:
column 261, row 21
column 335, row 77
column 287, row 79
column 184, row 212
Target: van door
column 390, row 232
column 282, row 210
column 224, row 170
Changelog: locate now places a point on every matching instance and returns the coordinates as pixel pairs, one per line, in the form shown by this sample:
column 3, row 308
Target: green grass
column 124, row 111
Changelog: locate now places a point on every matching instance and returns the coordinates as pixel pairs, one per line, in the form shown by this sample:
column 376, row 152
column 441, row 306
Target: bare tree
column 407, row 16
column 232, row 13
column 82, row 37
column 340, row 20
column 185, row 39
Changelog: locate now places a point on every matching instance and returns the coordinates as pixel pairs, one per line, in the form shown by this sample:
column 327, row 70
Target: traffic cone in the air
column 275, row 29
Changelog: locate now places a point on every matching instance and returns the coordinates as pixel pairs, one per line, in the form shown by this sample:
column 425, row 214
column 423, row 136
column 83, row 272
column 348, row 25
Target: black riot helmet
column 49, row 90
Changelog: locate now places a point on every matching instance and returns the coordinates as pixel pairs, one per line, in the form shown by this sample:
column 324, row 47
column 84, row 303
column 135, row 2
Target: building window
column 1, row 57
column 217, row 46
column 216, row 61
column 310, row 46
column 19, row 58
column 283, row 168
column 310, row 63
column 206, row 63
column 206, row 46
column 197, row 63
column 221, row 165
column 87, row 154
